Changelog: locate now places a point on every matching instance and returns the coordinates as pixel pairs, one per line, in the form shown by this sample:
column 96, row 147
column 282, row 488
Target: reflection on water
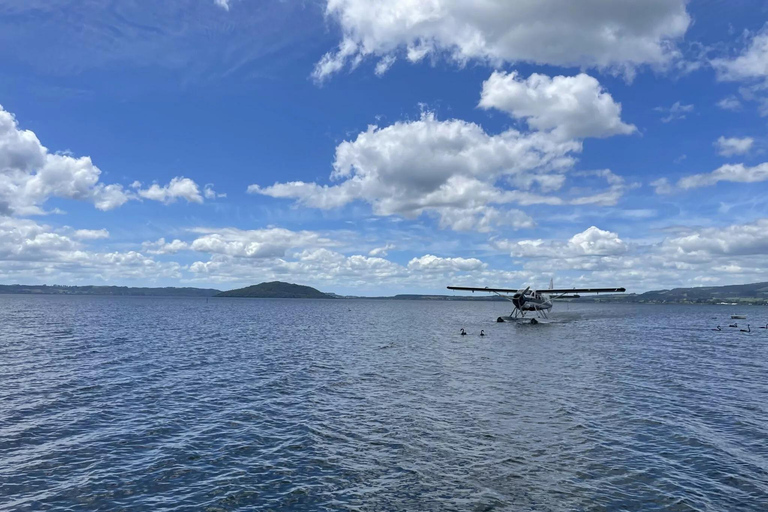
column 149, row 403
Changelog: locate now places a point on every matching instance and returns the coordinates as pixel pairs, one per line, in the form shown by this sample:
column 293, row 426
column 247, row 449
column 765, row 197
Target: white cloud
column 178, row 187
column 431, row 263
column 723, row 255
column 163, row 247
column 590, row 33
column 91, row 234
column 30, row 174
column 734, row 173
column 607, row 197
column 751, row 64
column 444, row 168
column 384, row 64
column 572, row 107
column 256, row 243
column 224, row 4
column 209, row 193
column 482, row 219
column 674, row 113
column 381, row 251
column 29, row 250
column 663, row 186
column 736, row 240
column 734, row 146
column 591, row 242
column 731, row 103
column 452, row 170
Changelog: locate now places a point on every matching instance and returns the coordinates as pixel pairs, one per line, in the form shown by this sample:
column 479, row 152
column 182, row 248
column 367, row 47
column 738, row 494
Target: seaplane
column 535, row 302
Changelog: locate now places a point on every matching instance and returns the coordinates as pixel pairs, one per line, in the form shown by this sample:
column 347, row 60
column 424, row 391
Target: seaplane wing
column 548, row 291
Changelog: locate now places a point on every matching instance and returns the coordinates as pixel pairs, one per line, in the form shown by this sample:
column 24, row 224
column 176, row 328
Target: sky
column 377, row 147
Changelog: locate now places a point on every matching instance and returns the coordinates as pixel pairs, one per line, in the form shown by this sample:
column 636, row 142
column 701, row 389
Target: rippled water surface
column 181, row 404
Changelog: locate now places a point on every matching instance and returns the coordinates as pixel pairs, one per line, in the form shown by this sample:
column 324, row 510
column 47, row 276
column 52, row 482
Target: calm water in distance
column 133, row 403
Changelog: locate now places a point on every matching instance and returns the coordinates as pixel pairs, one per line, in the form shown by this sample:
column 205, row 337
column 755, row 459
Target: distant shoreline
column 755, row 294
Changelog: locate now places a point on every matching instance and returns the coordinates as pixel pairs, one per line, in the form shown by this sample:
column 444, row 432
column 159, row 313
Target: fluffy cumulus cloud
column 686, row 257
column 30, row 174
column 451, row 169
column 705, row 244
column 730, row 146
column 572, row 107
column 162, row 247
column 256, row 243
column 431, row 263
column 591, row 242
column 734, row 173
column 224, row 4
column 589, row 33
column 178, row 188
column 276, row 253
column 29, row 250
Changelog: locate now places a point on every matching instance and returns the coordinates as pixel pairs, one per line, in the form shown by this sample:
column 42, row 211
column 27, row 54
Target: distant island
column 277, row 290
column 743, row 294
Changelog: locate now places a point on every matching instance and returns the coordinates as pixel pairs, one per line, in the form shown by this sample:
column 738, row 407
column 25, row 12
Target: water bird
column 463, row 332
column 482, row 332
column 766, row 326
column 747, row 329
column 717, row 328
column 733, row 325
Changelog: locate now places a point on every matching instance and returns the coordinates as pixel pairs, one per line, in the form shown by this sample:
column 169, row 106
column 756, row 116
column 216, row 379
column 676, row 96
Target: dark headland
column 277, row 290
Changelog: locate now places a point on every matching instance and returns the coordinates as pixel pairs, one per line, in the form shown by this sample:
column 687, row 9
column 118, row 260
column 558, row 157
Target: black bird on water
column 733, row 325
column 747, row 329
column 766, row 326
column 482, row 332
column 463, row 332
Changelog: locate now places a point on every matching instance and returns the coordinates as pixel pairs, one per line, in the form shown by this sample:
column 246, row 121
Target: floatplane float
column 535, row 302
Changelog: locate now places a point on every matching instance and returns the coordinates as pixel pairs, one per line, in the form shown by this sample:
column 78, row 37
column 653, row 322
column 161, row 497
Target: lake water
column 133, row 403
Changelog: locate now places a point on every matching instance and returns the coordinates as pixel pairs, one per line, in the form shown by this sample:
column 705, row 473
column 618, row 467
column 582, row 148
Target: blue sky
column 380, row 147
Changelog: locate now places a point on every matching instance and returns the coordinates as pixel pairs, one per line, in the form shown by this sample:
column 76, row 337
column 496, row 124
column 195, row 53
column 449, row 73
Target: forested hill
column 106, row 290
column 754, row 293
column 277, row 290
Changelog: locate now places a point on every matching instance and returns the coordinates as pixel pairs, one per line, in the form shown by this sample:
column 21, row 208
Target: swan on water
column 733, row 325
column 747, row 329
column 463, row 332
column 717, row 328
column 482, row 332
